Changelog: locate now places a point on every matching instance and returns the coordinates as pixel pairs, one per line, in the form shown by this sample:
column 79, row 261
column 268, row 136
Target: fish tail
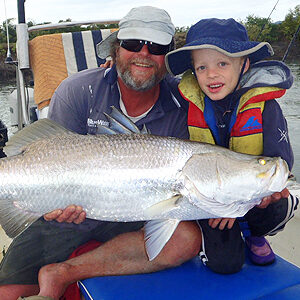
column 13, row 219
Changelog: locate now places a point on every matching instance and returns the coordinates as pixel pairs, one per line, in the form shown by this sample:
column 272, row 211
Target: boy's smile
column 215, row 87
column 217, row 74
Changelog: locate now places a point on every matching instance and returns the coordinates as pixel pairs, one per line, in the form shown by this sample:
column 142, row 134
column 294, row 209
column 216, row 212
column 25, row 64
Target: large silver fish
column 129, row 178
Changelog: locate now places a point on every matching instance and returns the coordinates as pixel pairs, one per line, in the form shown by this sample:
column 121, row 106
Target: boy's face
column 217, row 74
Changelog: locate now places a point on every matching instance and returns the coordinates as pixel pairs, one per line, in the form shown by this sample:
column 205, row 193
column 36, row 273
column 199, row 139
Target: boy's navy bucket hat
column 226, row 36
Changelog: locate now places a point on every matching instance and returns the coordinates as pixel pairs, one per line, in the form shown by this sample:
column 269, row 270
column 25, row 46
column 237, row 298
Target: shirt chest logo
column 95, row 123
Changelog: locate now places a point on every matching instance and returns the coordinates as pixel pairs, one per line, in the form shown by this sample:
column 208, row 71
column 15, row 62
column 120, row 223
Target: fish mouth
column 279, row 175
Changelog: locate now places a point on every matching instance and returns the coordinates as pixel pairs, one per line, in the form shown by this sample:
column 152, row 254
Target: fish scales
column 124, row 177
column 89, row 168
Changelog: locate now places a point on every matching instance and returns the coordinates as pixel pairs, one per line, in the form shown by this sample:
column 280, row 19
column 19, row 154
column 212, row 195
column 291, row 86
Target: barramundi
column 136, row 177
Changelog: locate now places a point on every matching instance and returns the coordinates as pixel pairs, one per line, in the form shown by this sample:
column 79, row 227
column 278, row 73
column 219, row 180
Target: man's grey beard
column 137, row 86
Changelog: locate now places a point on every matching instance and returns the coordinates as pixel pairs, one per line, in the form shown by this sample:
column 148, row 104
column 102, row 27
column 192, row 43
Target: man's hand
column 108, row 64
column 71, row 214
column 222, row 221
column 273, row 198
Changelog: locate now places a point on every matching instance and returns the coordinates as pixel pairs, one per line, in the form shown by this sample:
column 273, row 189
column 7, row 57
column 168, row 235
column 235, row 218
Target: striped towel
column 53, row 57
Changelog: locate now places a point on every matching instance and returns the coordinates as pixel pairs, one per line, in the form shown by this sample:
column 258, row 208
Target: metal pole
column 291, row 43
column 19, row 100
column 21, row 11
column 8, row 58
column 22, row 57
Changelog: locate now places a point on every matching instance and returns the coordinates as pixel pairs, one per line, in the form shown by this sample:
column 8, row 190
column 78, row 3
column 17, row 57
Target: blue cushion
column 192, row 280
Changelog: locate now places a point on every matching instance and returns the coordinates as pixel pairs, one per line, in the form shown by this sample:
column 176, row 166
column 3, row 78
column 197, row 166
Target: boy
column 232, row 104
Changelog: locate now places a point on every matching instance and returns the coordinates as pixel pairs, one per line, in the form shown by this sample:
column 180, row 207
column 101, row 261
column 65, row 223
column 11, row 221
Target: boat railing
column 29, row 58
column 70, row 24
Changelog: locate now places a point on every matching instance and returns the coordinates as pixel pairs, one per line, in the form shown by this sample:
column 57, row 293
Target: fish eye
column 262, row 161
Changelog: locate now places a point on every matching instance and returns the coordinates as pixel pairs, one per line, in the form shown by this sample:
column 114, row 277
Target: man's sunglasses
column 153, row 48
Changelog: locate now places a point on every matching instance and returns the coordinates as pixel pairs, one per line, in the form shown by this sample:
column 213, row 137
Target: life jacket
column 246, row 130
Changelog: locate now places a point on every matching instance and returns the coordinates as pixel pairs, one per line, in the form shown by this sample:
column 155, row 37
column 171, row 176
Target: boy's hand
column 273, row 198
column 222, row 222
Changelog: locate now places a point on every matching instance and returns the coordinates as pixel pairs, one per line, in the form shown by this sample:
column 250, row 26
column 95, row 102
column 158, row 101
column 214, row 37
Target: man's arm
column 67, row 106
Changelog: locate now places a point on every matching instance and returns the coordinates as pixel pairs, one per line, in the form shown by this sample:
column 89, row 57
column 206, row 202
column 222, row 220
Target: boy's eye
column 201, row 68
column 222, row 63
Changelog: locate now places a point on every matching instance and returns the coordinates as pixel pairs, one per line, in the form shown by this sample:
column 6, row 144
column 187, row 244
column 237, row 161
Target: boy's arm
column 276, row 139
column 276, row 143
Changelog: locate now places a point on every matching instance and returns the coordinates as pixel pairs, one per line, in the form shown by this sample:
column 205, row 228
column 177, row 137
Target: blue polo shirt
column 81, row 99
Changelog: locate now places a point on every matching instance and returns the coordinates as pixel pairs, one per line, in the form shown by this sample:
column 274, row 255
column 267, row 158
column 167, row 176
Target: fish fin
column 163, row 206
column 104, row 130
column 119, row 123
column 145, row 130
column 118, row 127
column 13, row 220
column 124, row 120
column 293, row 186
column 157, row 234
column 44, row 128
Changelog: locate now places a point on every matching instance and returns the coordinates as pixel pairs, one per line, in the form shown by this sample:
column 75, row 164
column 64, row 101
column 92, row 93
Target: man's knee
column 14, row 291
column 184, row 244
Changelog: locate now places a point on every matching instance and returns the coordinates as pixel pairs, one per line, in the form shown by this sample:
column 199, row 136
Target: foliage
column 11, row 31
column 291, row 23
column 262, row 29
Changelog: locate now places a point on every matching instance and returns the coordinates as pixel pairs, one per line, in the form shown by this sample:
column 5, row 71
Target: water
column 290, row 104
column 5, row 90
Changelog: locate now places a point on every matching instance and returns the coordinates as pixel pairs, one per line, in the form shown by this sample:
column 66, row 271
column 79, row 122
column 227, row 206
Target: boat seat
column 193, row 280
column 53, row 57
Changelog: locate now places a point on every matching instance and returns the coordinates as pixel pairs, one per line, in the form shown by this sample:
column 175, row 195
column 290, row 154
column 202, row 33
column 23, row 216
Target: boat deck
column 192, row 280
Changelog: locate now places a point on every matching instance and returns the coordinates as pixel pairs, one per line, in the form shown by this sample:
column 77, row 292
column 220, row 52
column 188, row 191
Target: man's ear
column 247, row 65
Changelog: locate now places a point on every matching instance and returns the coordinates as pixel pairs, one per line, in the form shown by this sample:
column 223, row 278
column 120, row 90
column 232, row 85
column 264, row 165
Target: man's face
column 141, row 70
column 217, row 74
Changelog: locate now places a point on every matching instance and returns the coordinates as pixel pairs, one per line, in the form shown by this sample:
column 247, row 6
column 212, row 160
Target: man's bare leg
column 125, row 254
column 14, row 291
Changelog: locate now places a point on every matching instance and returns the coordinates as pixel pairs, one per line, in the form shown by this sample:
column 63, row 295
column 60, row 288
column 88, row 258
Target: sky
column 182, row 12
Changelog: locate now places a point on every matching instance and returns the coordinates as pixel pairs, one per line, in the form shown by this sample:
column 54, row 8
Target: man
column 137, row 84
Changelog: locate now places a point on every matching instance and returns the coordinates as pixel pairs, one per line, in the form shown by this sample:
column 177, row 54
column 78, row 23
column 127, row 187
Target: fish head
column 273, row 174
column 229, row 180
column 252, row 177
